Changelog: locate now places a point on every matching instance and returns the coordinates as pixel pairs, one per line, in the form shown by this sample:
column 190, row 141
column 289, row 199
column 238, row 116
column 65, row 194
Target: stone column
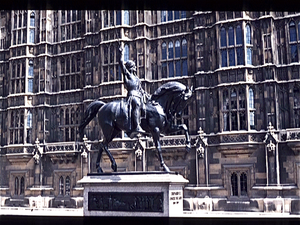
column 201, row 158
column 38, row 167
column 139, row 154
column 86, row 148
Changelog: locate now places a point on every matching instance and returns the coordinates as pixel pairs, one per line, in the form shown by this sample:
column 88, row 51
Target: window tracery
column 174, row 59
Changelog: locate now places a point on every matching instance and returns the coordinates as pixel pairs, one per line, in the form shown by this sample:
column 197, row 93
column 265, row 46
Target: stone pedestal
column 150, row 194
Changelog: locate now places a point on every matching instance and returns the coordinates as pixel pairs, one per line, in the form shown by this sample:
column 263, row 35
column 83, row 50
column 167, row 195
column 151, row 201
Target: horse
column 167, row 102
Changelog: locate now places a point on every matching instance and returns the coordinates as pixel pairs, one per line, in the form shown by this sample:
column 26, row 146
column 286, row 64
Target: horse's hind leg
column 112, row 160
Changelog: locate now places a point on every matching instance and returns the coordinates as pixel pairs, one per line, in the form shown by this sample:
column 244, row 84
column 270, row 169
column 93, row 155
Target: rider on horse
column 136, row 96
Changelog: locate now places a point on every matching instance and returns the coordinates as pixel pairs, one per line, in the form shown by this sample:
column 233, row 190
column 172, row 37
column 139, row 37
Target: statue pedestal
column 151, row 194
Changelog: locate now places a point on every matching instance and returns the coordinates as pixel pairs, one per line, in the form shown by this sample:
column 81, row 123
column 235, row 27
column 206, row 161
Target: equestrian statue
column 158, row 113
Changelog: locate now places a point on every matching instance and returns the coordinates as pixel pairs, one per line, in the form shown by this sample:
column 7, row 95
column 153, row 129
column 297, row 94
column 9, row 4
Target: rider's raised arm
column 124, row 71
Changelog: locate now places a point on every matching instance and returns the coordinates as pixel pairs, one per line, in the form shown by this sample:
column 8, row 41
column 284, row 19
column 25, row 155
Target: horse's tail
column 89, row 114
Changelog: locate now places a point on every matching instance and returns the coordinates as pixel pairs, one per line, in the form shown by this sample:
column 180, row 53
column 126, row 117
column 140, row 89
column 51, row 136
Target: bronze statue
column 135, row 95
column 169, row 100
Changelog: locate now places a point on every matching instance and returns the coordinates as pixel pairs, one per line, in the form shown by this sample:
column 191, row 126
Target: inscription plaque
column 126, row 201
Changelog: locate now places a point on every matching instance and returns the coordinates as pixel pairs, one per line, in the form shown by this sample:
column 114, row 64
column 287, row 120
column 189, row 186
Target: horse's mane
column 166, row 88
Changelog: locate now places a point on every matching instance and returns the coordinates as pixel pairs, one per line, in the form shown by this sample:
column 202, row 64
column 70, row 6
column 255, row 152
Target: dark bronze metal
column 160, row 110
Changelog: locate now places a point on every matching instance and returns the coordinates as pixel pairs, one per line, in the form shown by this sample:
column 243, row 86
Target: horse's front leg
column 98, row 168
column 176, row 128
column 156, row 135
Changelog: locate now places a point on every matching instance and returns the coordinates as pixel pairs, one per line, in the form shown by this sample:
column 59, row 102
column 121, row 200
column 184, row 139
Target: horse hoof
column 99, row 170
column 188, row 148
column 114, row 167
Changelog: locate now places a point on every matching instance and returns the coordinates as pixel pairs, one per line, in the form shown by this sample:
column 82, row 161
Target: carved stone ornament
column 271, row 147
column 138, row 154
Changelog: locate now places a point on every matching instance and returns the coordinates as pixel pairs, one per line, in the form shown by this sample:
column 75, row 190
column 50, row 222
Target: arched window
column 233, row 104
column 293, row 36
column 242, row 109
column 225, row 100
column 73, row 116
column 25, row 19
column 293, row 41
column 171, row 68
column 224, row 58
column 68, row 186
column 22, row 186
column 126, row 53
column 126, row 17
column 231, row 57
column 230, row 36
column 67, row 78
column 62, row 69
column 223, row 44
column 243, row 181
column 105, row 53
column 174, row 65
column 184, row 48
column 78, row 64
column 163, row 16
column 15, row 20
column 177, row 49
column 239, row 35
column 170, row 56
column 16, row 186
column 12, row 119
column 77, row 116
column 61, row 186
column 233, row 99
column 73, row 68
column 225, row 111
column 251, row 99
column 178, row 68
column 170, row 50
column 32, row 29
column 67, row 117
column 241, row 98
column 299, row 31
column 234, row 184
column 32, row 19
column 234, row 109
column 248, row 34
column 248, row 42
column 111, row 53
column 184, row 61
column 68, row 65
column 223, row 37
column 30, row 68
column 170, row 15
column 249, row 56
column 297, row 106
column 176, row 15
column 22, row 118
column 183, row 14
column 61, row 116
column 233, row 53
column 29, row 119
column 164, row 51
column 177, row 55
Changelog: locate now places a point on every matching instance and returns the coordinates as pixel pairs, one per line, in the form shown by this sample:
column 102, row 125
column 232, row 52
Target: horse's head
column 173, row 97
column 182, row 100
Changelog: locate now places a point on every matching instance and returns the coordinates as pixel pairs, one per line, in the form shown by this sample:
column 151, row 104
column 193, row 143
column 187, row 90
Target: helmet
column 129, row 64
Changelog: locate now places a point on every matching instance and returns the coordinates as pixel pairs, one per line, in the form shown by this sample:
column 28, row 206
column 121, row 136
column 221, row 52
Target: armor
column 135, row 95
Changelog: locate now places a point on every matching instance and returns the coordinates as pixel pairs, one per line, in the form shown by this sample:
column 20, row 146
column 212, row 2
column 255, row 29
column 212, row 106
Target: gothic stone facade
column 244, row 119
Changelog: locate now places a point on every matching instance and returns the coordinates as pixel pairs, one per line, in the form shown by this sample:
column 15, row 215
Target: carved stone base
column 150, row 194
